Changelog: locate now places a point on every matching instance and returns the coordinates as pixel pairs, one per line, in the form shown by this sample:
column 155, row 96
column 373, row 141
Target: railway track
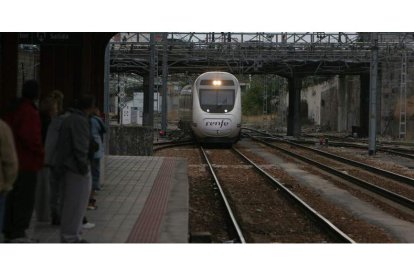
column 234, row 223
column 299, row 216
column 389, row 147
column 382, row 172
column 396, row 184
column 209, row 218
column 172, row 144
column 392, row 148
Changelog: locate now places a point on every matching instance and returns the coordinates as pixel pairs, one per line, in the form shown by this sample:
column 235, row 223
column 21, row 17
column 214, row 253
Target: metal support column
column 148, row 116
column 106, row 105
column 265, row 111
column 164, row 82
column 364, row 105
column 106, row 94
column 295, row 86
column 373, row 96
column 403, row 97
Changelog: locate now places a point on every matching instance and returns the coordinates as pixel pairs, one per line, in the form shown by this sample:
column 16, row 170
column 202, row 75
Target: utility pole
column 403, row 97
column 164, row 82
column 373, row 95
column 106, row 94
column 148, row 119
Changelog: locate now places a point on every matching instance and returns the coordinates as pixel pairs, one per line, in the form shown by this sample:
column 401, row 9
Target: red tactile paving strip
column 147, row 226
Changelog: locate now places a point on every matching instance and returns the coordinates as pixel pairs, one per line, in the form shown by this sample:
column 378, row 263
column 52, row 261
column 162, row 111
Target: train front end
column 216, row 108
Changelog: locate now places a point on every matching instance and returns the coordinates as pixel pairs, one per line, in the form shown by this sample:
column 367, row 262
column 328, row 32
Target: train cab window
column 223, row 82
column 217, row 100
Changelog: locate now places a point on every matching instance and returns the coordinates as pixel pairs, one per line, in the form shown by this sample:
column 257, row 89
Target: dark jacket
column 73, row 144
column 25, row 124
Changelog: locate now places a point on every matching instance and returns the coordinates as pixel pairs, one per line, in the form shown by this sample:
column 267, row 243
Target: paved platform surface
column 143, row 200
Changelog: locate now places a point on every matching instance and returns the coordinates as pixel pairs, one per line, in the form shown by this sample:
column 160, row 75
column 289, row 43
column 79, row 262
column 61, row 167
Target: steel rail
column 389, row 174
column 364, row 184
column 334, row 137
column 223, row 196
column 395, row 151
column 171, row 142
column 170, row 145
column 318, row 218
column 399, row 153
column 385, row 173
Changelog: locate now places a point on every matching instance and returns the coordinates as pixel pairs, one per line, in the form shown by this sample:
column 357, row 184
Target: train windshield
column 217, row 100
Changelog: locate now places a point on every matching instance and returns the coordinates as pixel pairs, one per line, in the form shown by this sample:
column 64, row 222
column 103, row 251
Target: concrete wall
column 334, row 104
column 341, row 108
column 329, row 105
column 312, row 95
column 348, row 103
column 130, row 140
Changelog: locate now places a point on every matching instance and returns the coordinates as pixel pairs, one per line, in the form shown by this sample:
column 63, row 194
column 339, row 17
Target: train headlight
column 216, row 82
column 225, row 110
column 208, row 110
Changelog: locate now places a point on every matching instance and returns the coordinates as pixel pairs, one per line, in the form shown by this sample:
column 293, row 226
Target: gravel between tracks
column 264, row 213
column 357, row 229
column 207, row 211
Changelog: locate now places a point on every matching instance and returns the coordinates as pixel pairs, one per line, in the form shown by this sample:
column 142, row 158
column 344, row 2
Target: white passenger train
column 211, row 108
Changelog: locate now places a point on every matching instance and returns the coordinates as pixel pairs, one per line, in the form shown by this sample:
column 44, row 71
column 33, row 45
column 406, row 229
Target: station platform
column 144, row 199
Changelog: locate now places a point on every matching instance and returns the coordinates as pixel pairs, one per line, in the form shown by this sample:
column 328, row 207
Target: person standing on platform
column 51, row 149
column 8, row 165
column 50, row 107
column 98, row 130
column 24, row 121
column 73, row 165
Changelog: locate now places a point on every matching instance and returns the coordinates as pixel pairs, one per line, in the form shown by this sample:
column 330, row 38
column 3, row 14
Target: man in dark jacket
column 25, row 124
column 73, row 165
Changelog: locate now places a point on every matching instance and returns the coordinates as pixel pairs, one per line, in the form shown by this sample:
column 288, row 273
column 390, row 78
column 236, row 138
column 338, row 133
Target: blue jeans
column 96, row 172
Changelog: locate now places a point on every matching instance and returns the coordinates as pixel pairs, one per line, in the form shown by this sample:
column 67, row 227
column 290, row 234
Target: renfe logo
column 216, row 123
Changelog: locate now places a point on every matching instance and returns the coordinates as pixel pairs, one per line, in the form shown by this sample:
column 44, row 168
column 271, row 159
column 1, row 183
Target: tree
column 252, row 99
